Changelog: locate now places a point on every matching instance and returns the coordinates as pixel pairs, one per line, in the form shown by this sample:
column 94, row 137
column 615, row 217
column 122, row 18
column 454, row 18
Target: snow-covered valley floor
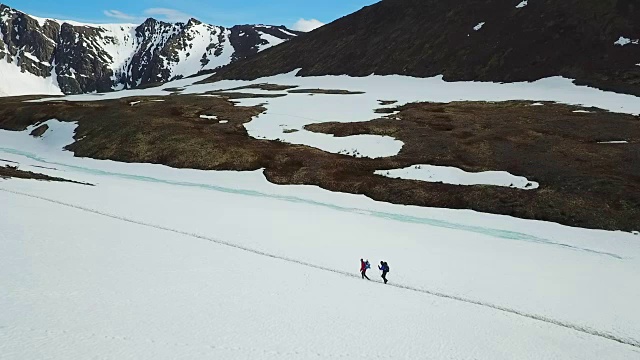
column 159, row 263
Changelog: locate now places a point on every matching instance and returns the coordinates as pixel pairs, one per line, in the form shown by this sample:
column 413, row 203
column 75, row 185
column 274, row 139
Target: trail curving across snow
column 582, row 329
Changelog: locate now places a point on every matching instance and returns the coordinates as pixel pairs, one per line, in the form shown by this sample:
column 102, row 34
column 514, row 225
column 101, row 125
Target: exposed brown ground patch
column 8, row 171
column 386, row 110
column 149, row 85
column 173, row 89
column 549, row 144
column 582, row 183
column 241, row 95
column 265, row 86
column 40, row 130
column 325, row 91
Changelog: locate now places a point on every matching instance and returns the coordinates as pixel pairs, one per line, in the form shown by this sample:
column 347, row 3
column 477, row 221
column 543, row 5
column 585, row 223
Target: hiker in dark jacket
column 363, row 269
column 384, row 267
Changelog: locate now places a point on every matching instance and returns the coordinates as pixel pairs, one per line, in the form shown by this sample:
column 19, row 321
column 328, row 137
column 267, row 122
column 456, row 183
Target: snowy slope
column 15, row 83
column 160, row 263
column 201, row 39
column 120, row 43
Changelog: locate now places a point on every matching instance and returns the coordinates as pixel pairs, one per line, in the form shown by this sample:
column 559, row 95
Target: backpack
column 367, row 265
column 386, row 267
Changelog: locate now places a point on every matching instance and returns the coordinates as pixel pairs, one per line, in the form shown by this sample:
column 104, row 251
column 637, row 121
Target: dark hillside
column 422, row 38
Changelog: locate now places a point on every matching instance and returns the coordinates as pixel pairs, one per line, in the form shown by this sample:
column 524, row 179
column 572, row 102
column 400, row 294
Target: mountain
column 51, row 56
column 595, row 42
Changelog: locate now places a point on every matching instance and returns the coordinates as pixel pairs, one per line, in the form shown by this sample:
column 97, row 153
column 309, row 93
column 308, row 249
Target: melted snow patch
column 582, row 111
column 58, row 135
column 456, row 176
column 479, row 26
column 223, row 121
column 522, row 4
column 622, row 41
column 614, row 142
column 537, row 104
column 209, row 117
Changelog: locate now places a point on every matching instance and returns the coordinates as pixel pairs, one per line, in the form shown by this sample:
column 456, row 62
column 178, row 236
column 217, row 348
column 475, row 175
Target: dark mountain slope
column 422, row 38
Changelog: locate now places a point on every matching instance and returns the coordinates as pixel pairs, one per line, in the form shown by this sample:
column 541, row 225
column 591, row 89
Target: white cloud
column 170, row 15
column 307, row 25
column 116, row 14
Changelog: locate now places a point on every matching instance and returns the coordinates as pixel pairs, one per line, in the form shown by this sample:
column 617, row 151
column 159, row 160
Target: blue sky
column 218, row 12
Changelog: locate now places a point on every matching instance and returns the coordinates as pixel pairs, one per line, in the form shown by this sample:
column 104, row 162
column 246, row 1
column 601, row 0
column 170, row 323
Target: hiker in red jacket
column 364, row 265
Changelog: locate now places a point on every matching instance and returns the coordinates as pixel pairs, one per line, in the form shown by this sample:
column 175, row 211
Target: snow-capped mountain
column 52, row 56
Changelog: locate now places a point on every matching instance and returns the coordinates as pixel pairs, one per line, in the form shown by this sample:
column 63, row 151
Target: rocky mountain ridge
column 42, row 55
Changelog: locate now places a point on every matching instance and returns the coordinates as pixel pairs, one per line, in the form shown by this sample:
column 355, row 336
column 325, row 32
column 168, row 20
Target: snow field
column 452, row 175
column 213, row 299
column 130, row 292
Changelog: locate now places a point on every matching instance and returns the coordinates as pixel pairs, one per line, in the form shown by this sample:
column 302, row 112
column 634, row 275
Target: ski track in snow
column 498, row 233
column 586, row 330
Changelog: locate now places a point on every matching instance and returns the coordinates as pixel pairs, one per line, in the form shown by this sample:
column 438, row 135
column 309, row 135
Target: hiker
column 384, row 267
column 364, row 265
